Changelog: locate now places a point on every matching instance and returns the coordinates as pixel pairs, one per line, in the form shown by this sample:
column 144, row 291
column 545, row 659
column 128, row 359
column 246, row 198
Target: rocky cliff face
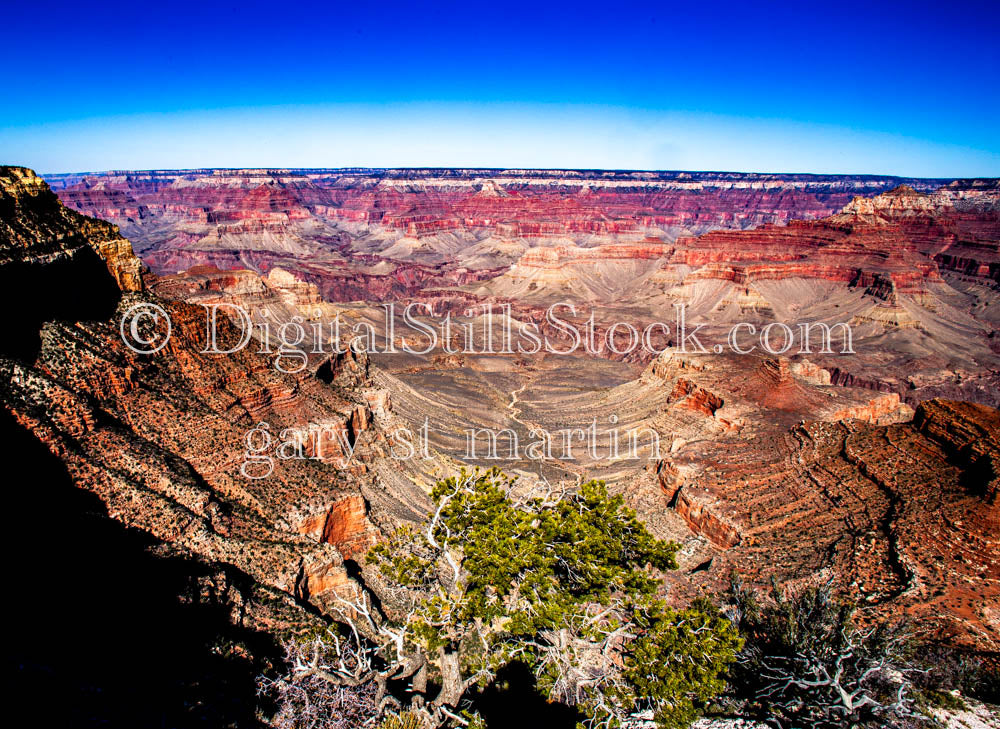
column 160, row 439
column 914, row 275
column 35, row 230
column 898, row 236
column 901, row 514
column 471, row 218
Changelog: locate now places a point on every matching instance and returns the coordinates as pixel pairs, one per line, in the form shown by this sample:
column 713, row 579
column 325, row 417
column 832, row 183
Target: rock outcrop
column 903, row 517
column 169, row 441
column 35, row 230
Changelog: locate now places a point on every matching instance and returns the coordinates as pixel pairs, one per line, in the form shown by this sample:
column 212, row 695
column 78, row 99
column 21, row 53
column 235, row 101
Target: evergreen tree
column 566, row 583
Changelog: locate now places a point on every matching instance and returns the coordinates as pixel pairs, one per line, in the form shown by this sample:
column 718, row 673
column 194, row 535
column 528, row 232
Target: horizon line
column 472, row 168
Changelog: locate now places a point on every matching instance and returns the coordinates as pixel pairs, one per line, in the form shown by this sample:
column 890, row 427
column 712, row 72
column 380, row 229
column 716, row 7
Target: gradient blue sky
column 838, row 87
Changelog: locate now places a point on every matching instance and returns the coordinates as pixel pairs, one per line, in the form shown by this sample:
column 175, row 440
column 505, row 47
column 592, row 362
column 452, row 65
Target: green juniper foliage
column 676, row 660
column 565, row 583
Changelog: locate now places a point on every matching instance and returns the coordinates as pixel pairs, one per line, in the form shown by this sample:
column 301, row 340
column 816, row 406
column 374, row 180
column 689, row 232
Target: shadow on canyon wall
column 101, row 632
column 77, row 289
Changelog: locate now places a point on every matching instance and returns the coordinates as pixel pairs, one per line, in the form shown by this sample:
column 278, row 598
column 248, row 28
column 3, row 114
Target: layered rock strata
column 163, row 439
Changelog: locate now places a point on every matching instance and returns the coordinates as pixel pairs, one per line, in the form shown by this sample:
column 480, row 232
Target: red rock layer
column 899, row 239
column 903, row 516
column 512, row 203
column 162, row 439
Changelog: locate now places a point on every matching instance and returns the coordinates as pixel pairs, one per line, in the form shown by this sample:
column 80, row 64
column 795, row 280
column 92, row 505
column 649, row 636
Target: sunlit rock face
column 466, row 218
column 801, row 466
column 903, row 516
column 160, row 439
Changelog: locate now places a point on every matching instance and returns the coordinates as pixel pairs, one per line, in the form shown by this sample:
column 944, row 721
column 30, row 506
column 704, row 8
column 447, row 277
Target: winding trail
column 568, row 468
column 515, row 411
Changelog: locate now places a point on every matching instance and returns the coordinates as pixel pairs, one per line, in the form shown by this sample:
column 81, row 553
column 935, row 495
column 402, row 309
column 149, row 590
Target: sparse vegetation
column 563, row 582
column 808, row 663
column 948, row 669
column 566, row 585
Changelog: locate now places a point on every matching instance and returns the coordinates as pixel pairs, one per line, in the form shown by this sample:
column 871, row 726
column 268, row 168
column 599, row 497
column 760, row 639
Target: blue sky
column 839, row 87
